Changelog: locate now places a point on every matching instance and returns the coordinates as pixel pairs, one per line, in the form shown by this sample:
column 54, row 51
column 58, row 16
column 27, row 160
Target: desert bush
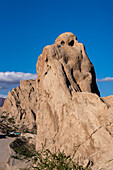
column 46, row 160
column 23, row 148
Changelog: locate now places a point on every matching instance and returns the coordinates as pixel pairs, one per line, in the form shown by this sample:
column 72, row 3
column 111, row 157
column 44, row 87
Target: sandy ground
column 4, row 151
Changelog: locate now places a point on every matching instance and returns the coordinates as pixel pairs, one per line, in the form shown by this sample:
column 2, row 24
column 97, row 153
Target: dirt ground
column 4, row 151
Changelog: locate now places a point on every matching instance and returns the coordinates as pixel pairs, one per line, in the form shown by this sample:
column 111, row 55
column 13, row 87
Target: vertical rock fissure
column 67, row 80
column 34, row 115
column 74, row 79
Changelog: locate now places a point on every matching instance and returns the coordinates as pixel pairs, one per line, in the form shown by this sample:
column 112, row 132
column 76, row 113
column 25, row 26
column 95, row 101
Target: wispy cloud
column 105, row 79
column 9, row 80
column 15, row 77
column 3, row 96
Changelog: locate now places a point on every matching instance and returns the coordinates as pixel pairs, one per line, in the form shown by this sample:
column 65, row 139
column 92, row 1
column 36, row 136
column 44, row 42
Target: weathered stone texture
column 21, row 104
column 68, row 59
column 69, row 116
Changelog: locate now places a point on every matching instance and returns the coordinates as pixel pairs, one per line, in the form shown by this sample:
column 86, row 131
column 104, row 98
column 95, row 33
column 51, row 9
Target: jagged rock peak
column 20, row 105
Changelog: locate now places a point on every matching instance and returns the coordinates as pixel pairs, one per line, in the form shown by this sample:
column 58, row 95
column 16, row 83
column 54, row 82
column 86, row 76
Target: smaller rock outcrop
column 20, row 105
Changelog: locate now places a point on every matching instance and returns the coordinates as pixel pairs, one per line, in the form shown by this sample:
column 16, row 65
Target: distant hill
column 2, row 101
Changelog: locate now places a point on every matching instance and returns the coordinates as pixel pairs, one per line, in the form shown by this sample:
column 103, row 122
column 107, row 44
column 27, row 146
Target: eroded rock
column 20, row 106
column 70, row 116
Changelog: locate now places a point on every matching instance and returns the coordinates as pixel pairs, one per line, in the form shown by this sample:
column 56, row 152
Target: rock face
column 68, row 59
column 20, row 105
column 69, row 115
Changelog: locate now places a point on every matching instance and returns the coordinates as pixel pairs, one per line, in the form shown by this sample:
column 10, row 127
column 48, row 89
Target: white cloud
column 14, row 77
column 3, row 95
column 9, row 80
column 105, row 79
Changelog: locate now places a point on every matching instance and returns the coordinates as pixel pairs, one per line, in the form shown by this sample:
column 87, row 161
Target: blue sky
column 27, row 26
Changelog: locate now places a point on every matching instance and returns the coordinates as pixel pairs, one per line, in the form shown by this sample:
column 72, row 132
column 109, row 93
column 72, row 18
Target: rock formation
column 70, row 114
column 20, row 105
column 68, row 59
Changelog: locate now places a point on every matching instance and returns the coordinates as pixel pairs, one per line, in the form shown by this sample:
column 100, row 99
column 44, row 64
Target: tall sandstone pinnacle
column 72, row 67
column 70, row 114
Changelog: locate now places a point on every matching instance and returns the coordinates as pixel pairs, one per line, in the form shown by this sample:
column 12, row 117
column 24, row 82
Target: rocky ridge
column 71, row 115
column 65, row 105
column 19, row 109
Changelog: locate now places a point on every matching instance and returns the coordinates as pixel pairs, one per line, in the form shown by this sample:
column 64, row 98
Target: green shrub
column 22, row 147
column 46, row 160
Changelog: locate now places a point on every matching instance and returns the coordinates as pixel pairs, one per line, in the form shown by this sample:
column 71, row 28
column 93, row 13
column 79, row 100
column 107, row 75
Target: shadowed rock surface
column 2, row 101
column 20, row 106
column 69, row 115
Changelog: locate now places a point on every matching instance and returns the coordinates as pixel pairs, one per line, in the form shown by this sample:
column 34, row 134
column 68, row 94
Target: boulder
column 70, row 114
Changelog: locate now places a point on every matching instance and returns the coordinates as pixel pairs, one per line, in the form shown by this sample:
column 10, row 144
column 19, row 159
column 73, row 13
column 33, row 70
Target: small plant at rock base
column 46, row 160
column 23, row 148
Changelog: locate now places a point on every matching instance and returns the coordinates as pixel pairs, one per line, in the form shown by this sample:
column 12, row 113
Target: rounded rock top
column 66, row 38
